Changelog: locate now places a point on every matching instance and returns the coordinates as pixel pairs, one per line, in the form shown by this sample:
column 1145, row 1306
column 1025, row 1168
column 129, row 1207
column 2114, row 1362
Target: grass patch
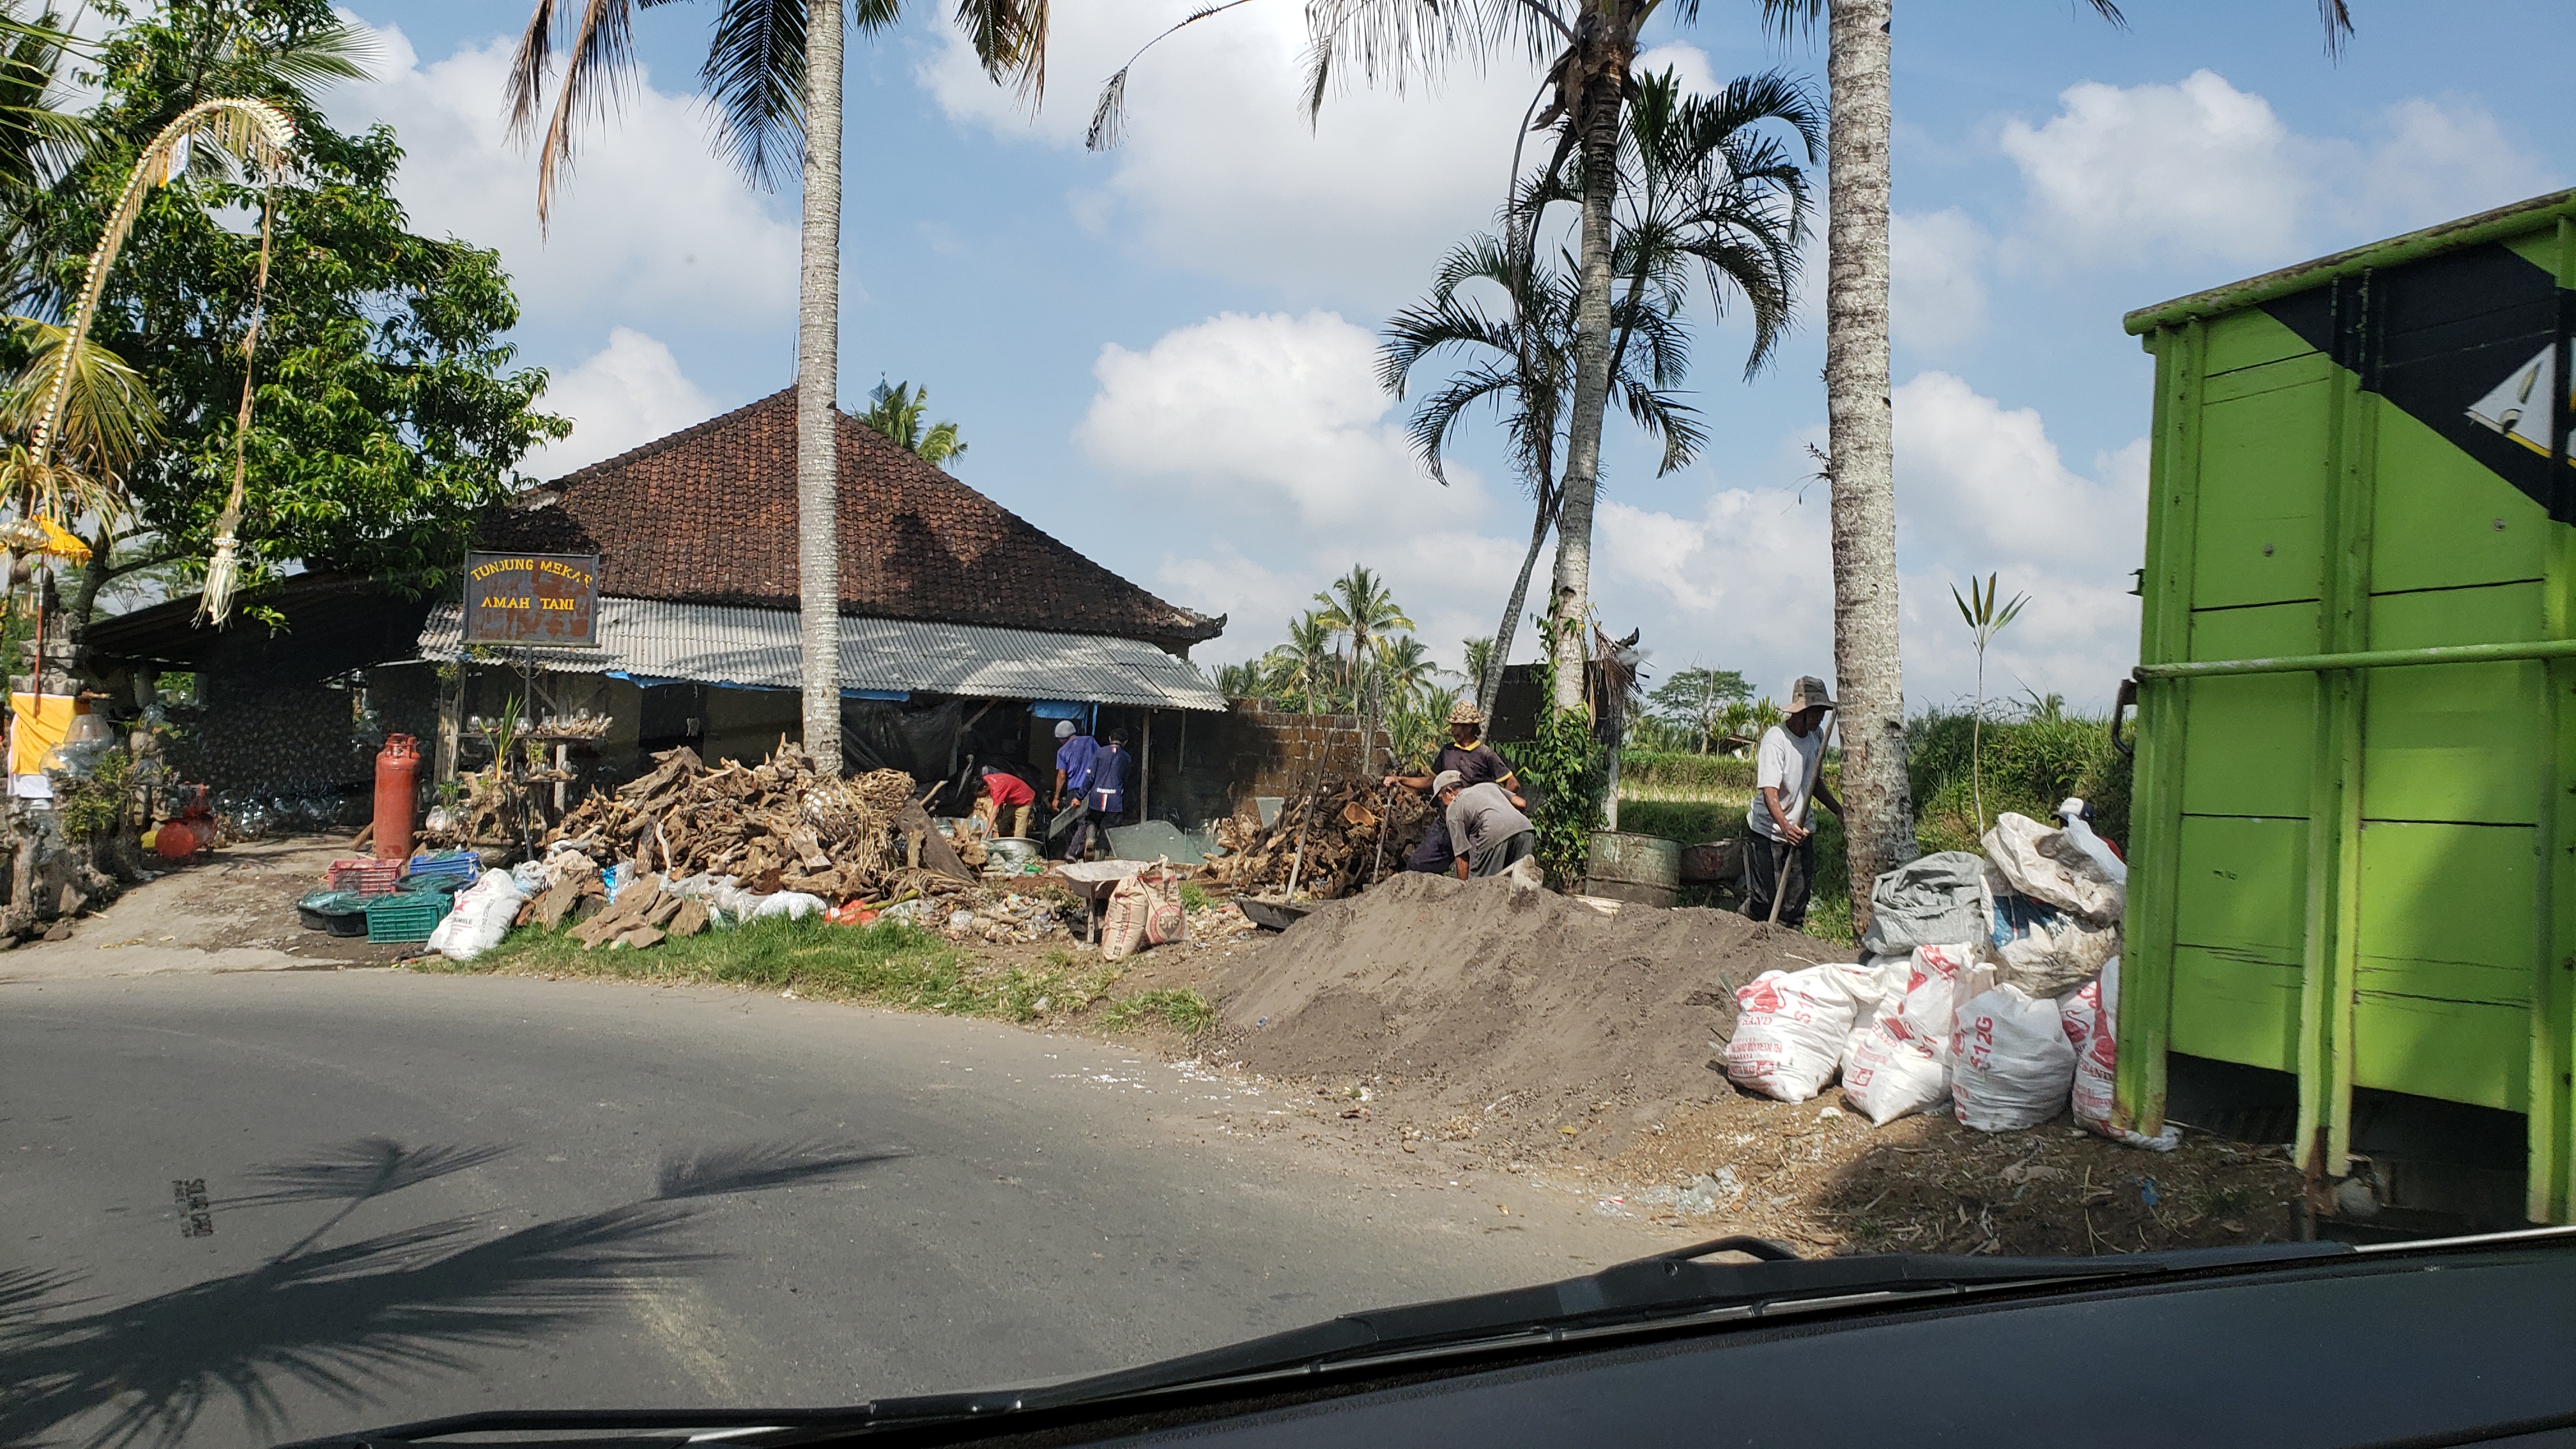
column 1193, row 898
column 889, row 963
column 1181, row 1009
column 1667, row 775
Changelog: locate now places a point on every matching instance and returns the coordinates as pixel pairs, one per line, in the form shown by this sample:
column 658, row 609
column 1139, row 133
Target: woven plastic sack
column 2010, row 1063
column 1790, row 1028
column 1122, row 926
column 1900, row 1063
column 1167, row 922
column 2091, row 1014
column 483, row 914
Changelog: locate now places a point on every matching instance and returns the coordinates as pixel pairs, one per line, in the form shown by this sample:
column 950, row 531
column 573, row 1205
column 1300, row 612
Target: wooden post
column 1145, row 774
column 451, row 726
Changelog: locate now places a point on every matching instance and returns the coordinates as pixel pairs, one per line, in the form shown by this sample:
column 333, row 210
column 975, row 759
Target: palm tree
column 1305, row 661
column 897, row 412
column 1359, row 606
column 1479, row 657
column 1520, row 364
column 1407, row 669
column 1878, row 814
column 773, row 77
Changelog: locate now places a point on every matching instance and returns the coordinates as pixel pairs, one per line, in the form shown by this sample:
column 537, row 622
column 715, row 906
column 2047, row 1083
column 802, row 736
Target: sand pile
column 1506, row 1016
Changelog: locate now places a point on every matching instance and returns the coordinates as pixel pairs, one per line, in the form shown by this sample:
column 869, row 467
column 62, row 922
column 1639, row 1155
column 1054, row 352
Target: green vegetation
column 2032, row 762
column 1561, row 772
column 889, row 964
column 1674, row 776
column 1183, row 1010
column 1193, row 898
column 899, row 413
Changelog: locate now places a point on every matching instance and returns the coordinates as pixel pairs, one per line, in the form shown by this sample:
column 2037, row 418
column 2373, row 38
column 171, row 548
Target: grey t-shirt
column 1786, row 763
column 1481, row 819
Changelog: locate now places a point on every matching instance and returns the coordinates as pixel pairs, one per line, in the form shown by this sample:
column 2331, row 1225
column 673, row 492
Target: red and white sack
column 1789, row 1029
column 1900, row 1063
column 1167, row 923
column 2091, row 1015
column 2010, row 1063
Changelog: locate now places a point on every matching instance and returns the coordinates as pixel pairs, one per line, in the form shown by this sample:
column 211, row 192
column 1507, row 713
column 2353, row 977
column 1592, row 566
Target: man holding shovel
column 1780, row 859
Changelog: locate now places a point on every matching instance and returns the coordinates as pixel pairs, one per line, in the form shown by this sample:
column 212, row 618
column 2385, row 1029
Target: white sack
column 2010, row 1063
column 483, row 914
column 1900, row 1062
column 2041, row 863
column 794, row 905
column 1789, row 1029
column 2091, row 1013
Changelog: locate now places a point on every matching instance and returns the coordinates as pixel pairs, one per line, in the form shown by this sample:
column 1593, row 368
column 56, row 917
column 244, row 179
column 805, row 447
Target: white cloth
column 1786, row 763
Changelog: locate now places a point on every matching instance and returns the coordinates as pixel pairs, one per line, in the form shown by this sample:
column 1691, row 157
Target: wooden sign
column 532, row 598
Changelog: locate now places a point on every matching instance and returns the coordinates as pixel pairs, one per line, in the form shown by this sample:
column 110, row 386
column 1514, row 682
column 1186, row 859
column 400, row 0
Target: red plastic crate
column 366, row 877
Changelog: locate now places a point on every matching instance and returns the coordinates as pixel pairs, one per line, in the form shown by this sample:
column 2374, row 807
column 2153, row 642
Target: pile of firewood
column 1339, row 826
column 780, row 825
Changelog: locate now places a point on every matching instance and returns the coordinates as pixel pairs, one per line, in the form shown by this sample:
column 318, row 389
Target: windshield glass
column 577, row 841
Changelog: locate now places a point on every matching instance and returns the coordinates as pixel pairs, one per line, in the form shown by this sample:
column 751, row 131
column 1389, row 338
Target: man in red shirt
column 1004, row 799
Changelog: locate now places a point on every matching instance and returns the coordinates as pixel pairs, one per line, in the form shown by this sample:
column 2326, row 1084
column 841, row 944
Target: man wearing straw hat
column 1780, row 859
column 1476, row 763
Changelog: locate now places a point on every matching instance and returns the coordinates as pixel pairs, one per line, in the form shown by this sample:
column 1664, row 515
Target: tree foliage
column 1695, row 703
column 899, row 413
column 387, row 411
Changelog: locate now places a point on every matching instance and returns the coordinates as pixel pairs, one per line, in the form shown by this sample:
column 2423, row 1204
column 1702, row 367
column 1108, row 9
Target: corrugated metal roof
column 757, row 649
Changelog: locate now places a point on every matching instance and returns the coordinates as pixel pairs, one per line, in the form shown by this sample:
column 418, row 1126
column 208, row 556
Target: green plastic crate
column 406, row 917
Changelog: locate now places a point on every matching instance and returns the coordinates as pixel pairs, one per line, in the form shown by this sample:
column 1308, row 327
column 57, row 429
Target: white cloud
column 1746, row 582
column 1220, row 171
column 1269, row 433
column 1980, row 489
column 622, row 396
column 2201, row 168
column 1936, row 295
column 649, row 220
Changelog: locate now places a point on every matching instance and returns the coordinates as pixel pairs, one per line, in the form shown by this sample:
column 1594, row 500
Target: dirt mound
column 1506, row 1016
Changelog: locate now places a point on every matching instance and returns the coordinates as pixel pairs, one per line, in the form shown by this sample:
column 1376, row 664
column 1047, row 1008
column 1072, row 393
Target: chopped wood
column 784, row 823
column 639, row 938
column 692, row 919
column 1341, row 822
column 552, row 903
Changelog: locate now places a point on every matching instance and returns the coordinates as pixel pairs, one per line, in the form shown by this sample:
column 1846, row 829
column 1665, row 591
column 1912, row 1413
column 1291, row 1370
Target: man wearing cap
column 1780, row 860
column 1475, row 763
column 1073, row 754
column 1485, row 828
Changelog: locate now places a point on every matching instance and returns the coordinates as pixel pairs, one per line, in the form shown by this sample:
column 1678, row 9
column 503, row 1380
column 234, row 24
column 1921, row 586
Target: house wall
column 744, row 724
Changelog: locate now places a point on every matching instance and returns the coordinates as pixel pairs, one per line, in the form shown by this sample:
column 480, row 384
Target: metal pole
column 2363, row 659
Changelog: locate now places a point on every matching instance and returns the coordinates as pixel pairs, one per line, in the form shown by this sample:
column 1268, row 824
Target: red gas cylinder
column 396, row 766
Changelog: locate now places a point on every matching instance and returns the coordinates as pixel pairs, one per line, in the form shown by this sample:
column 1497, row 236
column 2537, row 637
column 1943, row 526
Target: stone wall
column 1217, row 763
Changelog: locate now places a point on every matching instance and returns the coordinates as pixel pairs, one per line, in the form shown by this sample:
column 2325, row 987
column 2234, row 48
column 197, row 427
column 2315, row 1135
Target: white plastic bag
column 1789, row 1029
column 483, row 914
column 2041, row 863
column 2079, row 833
column 2010, row 1063
column 2091, row 1013
column 794, row 905
column 1901, row 1062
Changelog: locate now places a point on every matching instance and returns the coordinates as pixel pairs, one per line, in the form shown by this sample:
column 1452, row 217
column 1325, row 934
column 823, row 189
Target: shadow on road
column 350, row 1319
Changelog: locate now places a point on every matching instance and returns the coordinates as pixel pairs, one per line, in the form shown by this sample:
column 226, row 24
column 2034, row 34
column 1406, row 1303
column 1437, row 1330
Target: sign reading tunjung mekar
column 532, row 598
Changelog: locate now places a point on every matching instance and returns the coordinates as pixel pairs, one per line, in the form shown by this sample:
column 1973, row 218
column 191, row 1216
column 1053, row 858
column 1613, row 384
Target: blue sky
column 1162, row 354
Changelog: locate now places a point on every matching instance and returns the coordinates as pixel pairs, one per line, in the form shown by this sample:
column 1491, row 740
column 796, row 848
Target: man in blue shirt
column 1112, row 770
column 1074, row 752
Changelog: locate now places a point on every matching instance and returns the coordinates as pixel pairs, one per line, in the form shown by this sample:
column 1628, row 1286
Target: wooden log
column 691, row 919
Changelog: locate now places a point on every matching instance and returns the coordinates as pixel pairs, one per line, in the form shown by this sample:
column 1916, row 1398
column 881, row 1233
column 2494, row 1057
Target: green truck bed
column 2354, row 841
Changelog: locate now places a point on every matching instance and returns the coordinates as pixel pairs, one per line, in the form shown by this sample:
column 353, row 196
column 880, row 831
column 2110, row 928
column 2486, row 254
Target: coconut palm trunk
column 818, row 375
column 1592, row 358
column 1878, row 818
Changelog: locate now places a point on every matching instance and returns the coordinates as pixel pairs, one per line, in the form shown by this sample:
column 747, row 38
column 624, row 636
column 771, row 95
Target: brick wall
column 1229, row 758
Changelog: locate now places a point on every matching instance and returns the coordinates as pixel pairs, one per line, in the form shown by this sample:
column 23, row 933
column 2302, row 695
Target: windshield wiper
column 1666, row 1289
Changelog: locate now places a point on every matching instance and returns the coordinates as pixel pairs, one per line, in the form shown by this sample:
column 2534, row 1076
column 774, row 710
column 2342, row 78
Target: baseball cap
column 1064, row 729
column 1444, row 780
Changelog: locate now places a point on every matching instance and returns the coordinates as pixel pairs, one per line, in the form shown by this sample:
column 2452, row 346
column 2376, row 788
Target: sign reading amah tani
column 532, row 598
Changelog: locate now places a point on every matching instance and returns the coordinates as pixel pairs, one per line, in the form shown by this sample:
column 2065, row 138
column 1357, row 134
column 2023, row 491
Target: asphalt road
column 419, row 1195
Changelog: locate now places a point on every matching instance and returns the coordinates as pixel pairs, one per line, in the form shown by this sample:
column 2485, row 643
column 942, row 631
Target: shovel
column 1780, row 858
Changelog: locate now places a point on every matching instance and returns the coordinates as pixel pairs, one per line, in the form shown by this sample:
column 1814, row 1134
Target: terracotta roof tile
column 708, row 515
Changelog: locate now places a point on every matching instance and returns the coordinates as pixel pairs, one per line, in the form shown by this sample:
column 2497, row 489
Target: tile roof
column 757, row 649
column 708, row 516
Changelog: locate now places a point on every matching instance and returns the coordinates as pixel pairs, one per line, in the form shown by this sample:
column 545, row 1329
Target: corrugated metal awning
column 757, row 649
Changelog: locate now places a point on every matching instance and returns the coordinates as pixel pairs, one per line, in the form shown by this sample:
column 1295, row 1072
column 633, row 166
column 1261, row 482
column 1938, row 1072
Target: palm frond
column 1109, row 117
column 601, row 65
column 755, row 81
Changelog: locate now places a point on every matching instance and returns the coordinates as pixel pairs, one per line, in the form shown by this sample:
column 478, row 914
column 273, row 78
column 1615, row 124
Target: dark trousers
column 1762, row 877
column 1512, row 851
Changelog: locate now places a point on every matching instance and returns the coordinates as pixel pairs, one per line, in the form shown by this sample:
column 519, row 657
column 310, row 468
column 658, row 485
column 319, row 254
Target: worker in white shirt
column 1780, row 859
